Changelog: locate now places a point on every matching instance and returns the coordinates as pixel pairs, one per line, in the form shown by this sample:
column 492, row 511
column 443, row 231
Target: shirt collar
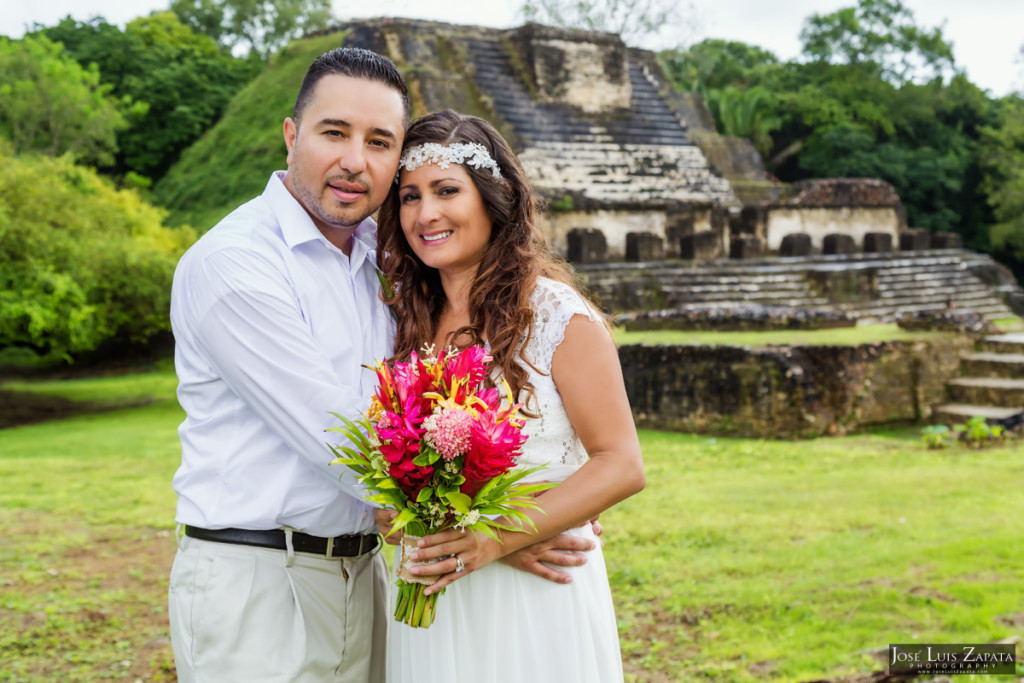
column 298, row 228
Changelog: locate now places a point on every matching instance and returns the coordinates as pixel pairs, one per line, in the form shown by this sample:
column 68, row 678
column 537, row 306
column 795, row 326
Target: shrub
column 976, row 433
column 81, row 263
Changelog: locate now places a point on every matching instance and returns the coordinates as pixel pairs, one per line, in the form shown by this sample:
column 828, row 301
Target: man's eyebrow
column 385, row 133
column 342, row 123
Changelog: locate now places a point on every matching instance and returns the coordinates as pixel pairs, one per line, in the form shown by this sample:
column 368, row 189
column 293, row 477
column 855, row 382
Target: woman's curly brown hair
column 517, row 254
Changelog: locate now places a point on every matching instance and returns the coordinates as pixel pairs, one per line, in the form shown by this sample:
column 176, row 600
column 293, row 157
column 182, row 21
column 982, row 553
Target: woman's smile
column 437, row 237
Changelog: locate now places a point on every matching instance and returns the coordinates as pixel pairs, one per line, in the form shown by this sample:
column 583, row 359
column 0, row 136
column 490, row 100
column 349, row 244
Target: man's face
column 343, row 153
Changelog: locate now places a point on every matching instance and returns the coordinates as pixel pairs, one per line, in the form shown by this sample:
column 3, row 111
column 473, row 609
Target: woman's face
column 444, row 218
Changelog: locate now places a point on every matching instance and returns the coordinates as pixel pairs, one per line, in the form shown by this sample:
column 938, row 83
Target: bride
column 458, row 243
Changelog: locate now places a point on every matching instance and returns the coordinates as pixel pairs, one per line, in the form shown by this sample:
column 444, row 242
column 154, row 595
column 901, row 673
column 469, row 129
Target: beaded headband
column 465, row 153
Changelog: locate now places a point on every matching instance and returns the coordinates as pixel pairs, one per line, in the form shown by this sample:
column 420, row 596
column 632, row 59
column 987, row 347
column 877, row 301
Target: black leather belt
column 349, row 545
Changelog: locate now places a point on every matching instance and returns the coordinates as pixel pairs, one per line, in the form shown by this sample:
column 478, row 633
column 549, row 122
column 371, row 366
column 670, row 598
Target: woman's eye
column 406, row 198
column 445, row 191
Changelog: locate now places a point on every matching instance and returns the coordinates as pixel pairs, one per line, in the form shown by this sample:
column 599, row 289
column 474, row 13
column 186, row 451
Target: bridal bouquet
column 438, row 447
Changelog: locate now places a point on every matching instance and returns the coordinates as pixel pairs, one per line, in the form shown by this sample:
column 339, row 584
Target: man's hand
column 552, row 551
column 384, row 519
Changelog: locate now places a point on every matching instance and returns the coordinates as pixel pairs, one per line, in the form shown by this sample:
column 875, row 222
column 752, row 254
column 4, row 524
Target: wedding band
column 458, row 565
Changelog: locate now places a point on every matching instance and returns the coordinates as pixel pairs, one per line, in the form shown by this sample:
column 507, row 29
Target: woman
column 469, row 266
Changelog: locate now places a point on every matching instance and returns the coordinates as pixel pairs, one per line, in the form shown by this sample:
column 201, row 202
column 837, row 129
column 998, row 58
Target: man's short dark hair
column 354, row 62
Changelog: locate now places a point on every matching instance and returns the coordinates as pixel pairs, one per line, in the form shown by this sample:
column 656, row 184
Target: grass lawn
column 743, row 560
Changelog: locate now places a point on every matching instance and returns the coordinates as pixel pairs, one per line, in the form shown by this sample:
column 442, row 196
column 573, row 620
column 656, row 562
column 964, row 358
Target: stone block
column 745, row 247
column 677, row 225
column 877, row 243
column 582, row 69
column 915, row 239
column 719, row 219
column 837, row 243
column 753, row 219
column 796, row 244
column 701, row 246
column 644, row 246
column 586, row 245
column 946, row 240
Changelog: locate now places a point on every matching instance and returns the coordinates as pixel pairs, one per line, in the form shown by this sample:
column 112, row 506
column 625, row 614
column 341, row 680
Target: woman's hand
column 459, row 553
column 384, row 518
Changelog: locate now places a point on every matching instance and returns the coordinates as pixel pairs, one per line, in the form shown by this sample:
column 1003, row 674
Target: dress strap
column 554, row 305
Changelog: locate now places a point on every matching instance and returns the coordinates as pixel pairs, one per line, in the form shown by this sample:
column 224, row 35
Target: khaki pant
column 246, row 614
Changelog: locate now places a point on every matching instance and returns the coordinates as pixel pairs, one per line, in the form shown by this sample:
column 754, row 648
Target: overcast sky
column 986, row 34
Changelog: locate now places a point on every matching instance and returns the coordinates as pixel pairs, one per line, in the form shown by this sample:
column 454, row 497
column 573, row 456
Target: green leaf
column 460, row 501
column 404, row 517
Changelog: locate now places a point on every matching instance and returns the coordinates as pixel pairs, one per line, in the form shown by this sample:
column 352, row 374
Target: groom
column 278, row 575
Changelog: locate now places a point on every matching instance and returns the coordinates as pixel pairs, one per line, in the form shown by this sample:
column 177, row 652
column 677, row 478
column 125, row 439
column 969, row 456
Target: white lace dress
column 502, row 625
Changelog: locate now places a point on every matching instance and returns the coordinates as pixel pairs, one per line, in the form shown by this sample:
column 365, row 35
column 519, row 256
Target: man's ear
column 291, row 131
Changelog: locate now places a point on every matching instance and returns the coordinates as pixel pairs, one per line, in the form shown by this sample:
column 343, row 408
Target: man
column 278, row 575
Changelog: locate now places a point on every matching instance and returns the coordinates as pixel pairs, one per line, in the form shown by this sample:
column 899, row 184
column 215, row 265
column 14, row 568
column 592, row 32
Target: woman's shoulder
column 559, row 299
column 554, row 305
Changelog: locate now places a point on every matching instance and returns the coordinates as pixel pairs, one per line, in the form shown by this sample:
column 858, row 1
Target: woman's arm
column 586, row 371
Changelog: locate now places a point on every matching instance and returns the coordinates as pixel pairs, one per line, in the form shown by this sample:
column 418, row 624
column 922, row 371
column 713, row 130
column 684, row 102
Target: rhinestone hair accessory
column 465, row 153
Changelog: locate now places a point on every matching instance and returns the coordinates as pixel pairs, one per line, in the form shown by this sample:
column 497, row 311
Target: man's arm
column 562, row 550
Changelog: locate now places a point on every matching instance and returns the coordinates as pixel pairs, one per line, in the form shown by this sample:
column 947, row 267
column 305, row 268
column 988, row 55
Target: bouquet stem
column 413, row 607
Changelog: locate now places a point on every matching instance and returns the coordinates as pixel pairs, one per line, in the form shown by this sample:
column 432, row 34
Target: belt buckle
column 329, row 553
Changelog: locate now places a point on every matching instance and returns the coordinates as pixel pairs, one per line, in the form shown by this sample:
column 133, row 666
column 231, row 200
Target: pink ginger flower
column 452, row 433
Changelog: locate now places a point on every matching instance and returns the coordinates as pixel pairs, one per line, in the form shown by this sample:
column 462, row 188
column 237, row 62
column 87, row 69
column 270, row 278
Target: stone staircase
column 904, row 283
column 637, row 154
column 991, row 385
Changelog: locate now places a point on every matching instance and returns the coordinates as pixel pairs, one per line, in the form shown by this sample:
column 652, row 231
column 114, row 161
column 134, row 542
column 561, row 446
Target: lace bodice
column 552, row 439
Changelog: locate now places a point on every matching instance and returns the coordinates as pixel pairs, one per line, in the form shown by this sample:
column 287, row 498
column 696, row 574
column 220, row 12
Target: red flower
column 410, row 381
column 400, row 444
column 410, row 478
column 493, row 451
column 470, row 366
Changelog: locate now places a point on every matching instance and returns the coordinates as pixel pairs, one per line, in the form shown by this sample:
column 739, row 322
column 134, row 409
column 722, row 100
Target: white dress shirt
column 273, row 325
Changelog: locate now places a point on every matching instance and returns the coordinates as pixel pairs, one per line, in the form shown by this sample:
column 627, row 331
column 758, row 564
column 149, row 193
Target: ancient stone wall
column 582, row 69
column 617, row 223
column 787, row 392
column 821, row 221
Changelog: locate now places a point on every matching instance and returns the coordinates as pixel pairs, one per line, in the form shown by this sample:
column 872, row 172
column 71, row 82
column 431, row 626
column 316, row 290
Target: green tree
column 1003, row 153
column 51, row 104
column 745, row 114
column 713, row 64
column 179, row 81
column 81, row 263
column 847, row 120
column 261, row 27
column 882, row 32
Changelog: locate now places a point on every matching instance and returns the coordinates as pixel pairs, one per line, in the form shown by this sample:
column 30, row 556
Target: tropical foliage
column 82, row 264
column 51, row 104
column 176, row 82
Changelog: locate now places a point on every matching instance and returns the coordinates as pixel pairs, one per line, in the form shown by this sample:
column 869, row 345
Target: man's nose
column 353, row 157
